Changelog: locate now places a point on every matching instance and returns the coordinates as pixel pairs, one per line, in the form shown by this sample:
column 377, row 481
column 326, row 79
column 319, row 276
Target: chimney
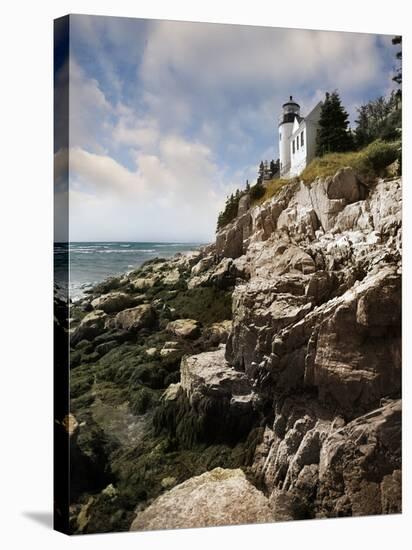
column 290, row 98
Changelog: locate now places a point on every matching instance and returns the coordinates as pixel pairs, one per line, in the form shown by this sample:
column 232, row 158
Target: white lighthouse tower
column 291, row 110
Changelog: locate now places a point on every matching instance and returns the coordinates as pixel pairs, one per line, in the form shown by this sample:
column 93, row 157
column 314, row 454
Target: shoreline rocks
column 218, row 497
column 142, row 316
column 277, row 349
column 184, row 328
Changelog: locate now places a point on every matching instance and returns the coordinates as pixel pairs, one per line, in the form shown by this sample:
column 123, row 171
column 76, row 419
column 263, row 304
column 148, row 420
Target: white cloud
column 225, row 56
column 206, row 72
column 177, row 191
column 182, row 114
column 103, row 174
column 88, row 109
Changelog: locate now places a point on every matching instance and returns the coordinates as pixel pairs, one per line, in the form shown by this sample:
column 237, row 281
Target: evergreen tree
column 333, row 134
column 258, row 190
column 229, row 212
column 274, row 167
column 247, row 186
column 362, row 131
column 398, row 76
column 397, row 40
column 378, row 119
column 261, row 172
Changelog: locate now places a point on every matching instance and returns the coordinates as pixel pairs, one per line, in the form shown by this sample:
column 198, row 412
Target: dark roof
column 291, row 102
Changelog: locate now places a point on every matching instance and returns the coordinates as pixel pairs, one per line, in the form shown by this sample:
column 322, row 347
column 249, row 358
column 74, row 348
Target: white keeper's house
column 297, row 138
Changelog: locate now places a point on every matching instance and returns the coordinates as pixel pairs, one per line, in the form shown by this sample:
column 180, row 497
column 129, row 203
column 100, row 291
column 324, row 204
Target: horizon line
column 133, row 241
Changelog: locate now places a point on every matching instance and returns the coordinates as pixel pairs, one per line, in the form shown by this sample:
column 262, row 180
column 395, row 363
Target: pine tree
column 398, row 76
column 362, row 132
column 261, row 172
column 274, row 167
column 380, row 118
column 397, row 40
column 333, row 134
column 247, row 186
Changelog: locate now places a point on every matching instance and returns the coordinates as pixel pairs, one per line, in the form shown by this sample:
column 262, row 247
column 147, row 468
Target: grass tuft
column 369, row 162
column 272, row 188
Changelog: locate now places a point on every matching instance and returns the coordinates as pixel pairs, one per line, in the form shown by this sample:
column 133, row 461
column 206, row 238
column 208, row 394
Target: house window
column 297, row 142
column 293, row 146
column 302, row 141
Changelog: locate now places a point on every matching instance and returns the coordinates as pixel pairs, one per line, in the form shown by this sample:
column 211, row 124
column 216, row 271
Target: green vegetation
column 379, row 119
column 267, row 172
column 271, row 189
column 209, row 421
column 257, row 191
column 229, row 213
column 397, row 40
column 378, row 126
column 204, row 304
column 333, row 134
column 119, row 459
column 140, row 475
column 369, row 162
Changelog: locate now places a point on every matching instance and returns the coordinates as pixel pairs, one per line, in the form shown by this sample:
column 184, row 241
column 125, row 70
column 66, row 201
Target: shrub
column 256, row 191
column 381, row 154
column 369, row 162
column 271, row 189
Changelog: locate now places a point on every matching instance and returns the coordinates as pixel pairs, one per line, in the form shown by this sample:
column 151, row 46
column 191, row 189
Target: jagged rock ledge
column 316, row 337
column 282, row 338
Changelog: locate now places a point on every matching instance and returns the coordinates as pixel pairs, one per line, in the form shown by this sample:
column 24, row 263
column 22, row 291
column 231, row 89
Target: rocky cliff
column 298, row 383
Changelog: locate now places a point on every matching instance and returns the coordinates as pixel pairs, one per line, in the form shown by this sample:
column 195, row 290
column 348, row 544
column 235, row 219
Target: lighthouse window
column 293, row 146
column 302, row 141
column 280, row 136
column 297, row 142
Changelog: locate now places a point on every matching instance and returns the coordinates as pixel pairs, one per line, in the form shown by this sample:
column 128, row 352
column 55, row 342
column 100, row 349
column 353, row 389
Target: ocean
column 92, row 262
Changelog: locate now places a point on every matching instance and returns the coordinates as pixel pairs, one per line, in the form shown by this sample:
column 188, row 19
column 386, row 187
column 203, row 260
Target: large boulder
column 209, row 375
column 136, row 318
column 221, row 275
column 220, row 398
column 90, row 326
column 345, row 185
column 171, row 278
column 143, row 283
column 218, row 497
column 281, row 258
column 231, row 241
column 184, row 328
column 113, row 302
column 203, row 265
column 328, row 197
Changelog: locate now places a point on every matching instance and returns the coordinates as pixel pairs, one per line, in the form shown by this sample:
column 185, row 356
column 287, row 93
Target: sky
column 167, row 118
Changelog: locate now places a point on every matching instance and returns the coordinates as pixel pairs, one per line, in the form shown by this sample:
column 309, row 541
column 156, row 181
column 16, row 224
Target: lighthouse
column 291, row 111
